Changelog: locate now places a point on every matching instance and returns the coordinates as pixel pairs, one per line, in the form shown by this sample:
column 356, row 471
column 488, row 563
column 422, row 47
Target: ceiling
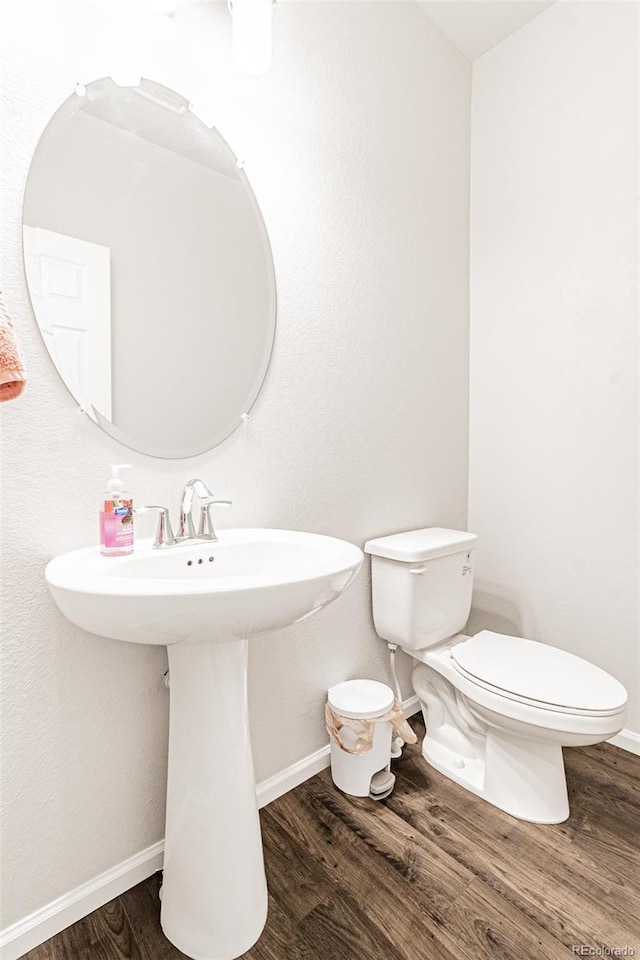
column 474, row 26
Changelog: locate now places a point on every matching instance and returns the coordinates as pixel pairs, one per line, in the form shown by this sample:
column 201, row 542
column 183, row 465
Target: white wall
column 357, row 147
column 554, row 321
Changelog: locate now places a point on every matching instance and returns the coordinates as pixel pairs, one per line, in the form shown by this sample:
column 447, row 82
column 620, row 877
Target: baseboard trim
column 627, row 740
column 39, row 926
column 292, row 776
column 411, row 706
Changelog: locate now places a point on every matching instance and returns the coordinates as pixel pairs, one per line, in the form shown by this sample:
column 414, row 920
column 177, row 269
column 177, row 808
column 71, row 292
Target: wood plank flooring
column 431, row 873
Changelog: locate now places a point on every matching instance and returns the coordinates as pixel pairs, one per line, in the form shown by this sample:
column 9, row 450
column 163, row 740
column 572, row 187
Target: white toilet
column 497, row 709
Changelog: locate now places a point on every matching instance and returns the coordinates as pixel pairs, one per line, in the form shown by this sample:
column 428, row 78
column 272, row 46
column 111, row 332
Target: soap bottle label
column 116, row 527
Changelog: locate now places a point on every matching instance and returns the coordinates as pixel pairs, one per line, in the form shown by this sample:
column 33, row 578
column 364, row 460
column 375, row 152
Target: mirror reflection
column 149, row 268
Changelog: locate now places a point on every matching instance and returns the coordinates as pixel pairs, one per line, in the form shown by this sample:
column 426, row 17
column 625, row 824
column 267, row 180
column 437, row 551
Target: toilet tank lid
column 426, row 544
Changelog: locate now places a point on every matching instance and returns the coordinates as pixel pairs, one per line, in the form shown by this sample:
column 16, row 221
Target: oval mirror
column 149, row 268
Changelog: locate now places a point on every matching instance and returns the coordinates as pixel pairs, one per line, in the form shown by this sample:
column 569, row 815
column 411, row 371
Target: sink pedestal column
column 214, row 893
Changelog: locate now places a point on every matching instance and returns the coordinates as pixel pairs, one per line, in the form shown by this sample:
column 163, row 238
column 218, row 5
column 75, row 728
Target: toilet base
column 525, row 778
column 490, row 755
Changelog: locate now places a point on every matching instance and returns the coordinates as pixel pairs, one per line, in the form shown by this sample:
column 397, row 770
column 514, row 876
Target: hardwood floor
column 431, row 873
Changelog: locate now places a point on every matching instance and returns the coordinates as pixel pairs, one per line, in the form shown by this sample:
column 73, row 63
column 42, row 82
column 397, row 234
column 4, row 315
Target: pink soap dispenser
column 116, row 517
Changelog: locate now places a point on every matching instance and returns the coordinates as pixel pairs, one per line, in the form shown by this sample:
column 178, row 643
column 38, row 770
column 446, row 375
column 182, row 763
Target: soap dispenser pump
column 116, row 517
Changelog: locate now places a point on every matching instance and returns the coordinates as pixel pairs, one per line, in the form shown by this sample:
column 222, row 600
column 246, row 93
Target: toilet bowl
column 498, row 709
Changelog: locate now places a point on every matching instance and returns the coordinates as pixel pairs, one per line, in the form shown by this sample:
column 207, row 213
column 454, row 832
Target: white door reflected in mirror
column 70, row 286
column 175, row 334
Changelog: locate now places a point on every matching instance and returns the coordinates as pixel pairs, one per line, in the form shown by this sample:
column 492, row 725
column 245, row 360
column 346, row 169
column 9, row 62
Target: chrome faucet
column 206, row 530
column 186, row 529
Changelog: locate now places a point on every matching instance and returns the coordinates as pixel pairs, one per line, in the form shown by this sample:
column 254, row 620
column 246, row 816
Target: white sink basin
column 247, row 582
column 203, row 600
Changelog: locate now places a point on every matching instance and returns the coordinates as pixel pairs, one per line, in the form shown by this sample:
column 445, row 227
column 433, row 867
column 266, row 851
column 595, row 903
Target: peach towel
column 12, row 375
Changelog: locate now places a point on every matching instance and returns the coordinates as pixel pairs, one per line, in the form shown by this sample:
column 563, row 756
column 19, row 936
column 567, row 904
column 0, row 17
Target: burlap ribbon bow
column 365, row 729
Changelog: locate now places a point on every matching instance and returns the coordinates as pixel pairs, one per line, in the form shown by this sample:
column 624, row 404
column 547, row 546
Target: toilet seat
column 537, row 674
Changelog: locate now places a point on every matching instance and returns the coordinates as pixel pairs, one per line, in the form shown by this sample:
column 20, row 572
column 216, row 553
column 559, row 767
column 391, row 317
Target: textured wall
column 357, row 148
column 554, row 334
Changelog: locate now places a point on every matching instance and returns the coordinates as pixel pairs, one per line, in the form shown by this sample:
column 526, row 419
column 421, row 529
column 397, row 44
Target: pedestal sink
column 203, row 601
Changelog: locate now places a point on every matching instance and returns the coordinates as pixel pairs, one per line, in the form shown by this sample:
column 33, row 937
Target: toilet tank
column 422, row 582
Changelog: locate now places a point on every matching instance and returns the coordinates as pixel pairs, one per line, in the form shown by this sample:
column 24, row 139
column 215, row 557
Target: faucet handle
column 206, row 529
column 164, row 533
